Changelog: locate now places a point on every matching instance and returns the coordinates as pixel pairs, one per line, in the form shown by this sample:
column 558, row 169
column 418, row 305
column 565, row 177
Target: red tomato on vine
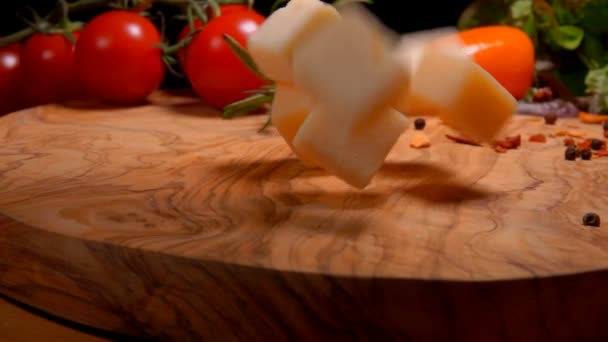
column 10, row 76
column 198, row 24
column 217, row 75
column 48, row 68
column 117, row 59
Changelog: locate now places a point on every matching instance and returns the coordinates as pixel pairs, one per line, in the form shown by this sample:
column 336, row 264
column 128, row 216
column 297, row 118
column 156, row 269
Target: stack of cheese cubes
column 343, row 85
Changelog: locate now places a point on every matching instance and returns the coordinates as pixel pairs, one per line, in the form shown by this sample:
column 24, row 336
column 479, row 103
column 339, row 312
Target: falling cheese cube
column 411, row 45
column 352, row 152
column 346, row 67
column 463, row 95
column 409, row 51
column 290, row 107
column 271, row 45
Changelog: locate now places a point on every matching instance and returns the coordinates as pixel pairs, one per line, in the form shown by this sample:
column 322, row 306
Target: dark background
column 400, row 15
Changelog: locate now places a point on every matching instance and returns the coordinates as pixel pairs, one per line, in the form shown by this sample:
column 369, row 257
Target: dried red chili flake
column 568, row 142
column 606, row 133
column 559, row 133
column 539, row 138
column 601, row 154
column 515, row 140
column 509, row 143
column 462, row 140
column 585, row 144
column 573, row 133
column 590, row 143
column 500, row 149
column 576, row 133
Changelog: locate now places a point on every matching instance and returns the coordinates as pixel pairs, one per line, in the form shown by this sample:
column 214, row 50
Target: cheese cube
column 411, row 45
column 464, row 95
column 346, row 67
column 271, row 45
column 352, row 152
column 290, row 107
column 409, row 51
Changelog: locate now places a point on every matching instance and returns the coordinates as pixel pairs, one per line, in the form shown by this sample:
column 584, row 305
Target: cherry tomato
column 116, row 57
column 224, row 10
column 10, row 75
column 506, row 52
column 48, row 69
column 217, row 75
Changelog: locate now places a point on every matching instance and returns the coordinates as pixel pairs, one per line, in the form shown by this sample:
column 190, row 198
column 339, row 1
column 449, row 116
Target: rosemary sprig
column 247, row 105
column 244, row 56
column 260, row 97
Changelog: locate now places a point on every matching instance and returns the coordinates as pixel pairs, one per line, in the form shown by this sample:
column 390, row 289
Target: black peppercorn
column 550, row 119
column 586, row 154
column 596, row 144
column 419, row 124
column 591, row 220
column 571, row 153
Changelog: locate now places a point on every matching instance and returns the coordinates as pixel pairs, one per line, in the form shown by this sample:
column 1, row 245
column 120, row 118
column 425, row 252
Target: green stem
column 83, row 5
column 17, row 36
column 172, row 49
column 65, row 22
column 77, row 6
column 190, row 17
column 215, row 7
column 198, row 11
column 87, row 4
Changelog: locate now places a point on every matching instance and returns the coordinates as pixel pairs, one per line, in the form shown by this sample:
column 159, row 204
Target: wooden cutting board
column 165, row 220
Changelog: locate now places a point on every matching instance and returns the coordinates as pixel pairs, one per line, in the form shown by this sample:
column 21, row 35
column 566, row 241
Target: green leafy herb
column 592, row 52
column 594, row 16
column 568, row 37
column 597, row 84
column 571, row 34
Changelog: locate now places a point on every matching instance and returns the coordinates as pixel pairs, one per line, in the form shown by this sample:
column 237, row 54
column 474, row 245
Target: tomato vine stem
column 56, row 14
column 85, row 5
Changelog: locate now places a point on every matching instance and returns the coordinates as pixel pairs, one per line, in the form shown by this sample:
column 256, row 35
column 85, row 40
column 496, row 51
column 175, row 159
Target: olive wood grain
column 165, row 220
column 20, row 325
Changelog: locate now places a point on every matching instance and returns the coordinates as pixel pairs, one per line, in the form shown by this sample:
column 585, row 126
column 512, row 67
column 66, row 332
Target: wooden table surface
column 167, row 221
column 18, row 324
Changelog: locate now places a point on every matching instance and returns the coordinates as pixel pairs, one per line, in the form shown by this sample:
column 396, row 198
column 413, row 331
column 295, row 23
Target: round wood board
column 165, row 220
